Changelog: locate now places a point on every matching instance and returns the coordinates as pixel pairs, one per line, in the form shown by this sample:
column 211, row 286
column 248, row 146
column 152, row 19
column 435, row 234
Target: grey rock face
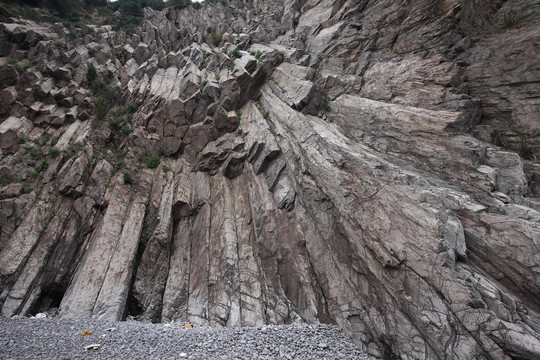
column 368, row 164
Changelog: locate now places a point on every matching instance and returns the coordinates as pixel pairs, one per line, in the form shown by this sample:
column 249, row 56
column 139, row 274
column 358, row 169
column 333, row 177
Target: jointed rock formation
column 369, row 163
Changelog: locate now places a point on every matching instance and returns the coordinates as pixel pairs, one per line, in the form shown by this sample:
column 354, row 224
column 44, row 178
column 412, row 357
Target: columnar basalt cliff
column 368, row 163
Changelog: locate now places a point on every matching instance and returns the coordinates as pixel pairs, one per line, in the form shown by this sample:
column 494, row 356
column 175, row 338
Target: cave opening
column 49, row 300
column 134, row 307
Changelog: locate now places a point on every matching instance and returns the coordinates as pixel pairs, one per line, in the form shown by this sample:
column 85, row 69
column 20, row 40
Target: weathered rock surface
column 371, row 164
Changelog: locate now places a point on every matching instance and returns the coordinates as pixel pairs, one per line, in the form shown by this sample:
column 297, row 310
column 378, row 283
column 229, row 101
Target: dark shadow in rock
column 50, row 297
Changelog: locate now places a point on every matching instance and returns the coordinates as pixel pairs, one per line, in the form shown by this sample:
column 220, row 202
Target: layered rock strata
column 351, row 161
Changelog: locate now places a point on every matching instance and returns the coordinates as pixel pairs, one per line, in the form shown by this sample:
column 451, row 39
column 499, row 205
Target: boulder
column 9, row 133
column 141, row 53
column 8, row 96
column 70, row 176
column 8, row 75
column 43, row 89
column 226, row 121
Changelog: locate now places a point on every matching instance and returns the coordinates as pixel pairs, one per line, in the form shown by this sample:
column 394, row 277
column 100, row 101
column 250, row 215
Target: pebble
column 92, row 346
column 56, row 338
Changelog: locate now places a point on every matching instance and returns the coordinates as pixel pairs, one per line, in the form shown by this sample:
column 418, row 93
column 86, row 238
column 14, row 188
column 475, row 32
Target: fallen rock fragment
column 92, row 347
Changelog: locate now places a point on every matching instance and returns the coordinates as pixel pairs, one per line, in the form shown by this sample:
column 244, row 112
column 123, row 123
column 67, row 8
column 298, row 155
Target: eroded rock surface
column 371, row 164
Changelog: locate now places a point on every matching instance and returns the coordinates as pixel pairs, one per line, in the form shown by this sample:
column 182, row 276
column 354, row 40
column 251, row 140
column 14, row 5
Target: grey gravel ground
column 54, row 338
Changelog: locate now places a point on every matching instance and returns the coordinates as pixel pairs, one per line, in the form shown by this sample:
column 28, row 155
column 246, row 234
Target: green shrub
column 105, row 12
column 22, row 68
column 44, row 165
column 66, row 8
column 236, row 53
column 54, row 152
column 113, row 94
column 511, row 18
column 91, row 73
column 132, row 107
column 152, row 162
column 525, row 151
column 444, row 52
column 101, row 107
column 44, row 139
column 129, row 28
column 5, row 180
column 127, row 178
column 95, row 3
column 18, row 160
column 126, row 129
column 325, row 103
column 35, row 153
column 500, row 138
column 420, row 49
column 28, row 13
column 181, row 3
column 131, row 8
column 115, row 122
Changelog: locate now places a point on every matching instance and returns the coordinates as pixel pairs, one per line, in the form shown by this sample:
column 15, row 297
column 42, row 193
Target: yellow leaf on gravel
column 87, row 332
column 187, row 326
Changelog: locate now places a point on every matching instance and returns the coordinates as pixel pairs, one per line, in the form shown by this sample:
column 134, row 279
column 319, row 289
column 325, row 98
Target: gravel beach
column 55, row 338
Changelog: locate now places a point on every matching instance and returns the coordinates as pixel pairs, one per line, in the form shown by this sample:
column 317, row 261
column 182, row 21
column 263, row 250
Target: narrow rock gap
column 208, row 241
column 51, row 297
column 189, row 256
column 255, row 244
column 133, row 306
column 233, row 190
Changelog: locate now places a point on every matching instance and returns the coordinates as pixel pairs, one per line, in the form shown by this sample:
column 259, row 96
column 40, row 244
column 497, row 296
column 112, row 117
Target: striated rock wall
column 366, row 163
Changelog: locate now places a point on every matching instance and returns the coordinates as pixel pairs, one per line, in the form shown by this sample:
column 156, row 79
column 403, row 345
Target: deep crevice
column 50, row 299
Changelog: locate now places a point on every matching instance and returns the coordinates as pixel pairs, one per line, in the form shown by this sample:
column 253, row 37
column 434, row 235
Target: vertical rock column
column 153, row 268
column 100, row 285
column 112, row 298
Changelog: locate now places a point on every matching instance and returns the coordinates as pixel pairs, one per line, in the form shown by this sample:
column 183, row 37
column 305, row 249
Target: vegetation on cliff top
column 125, row 14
